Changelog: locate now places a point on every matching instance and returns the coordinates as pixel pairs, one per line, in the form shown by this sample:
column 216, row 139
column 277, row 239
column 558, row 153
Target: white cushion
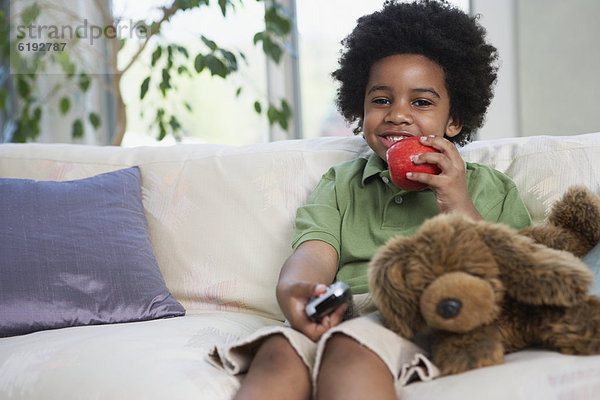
column 526, row 375
column 152, row 360
column 543, row 167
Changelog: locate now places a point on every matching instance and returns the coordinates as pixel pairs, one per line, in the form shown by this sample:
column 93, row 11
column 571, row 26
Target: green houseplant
column 24, row 104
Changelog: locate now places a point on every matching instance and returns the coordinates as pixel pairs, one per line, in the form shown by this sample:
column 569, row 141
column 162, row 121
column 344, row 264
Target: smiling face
column 406, row 95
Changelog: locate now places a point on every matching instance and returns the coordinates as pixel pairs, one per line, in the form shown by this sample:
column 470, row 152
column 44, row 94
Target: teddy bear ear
column 397, row 302
column 533, row 273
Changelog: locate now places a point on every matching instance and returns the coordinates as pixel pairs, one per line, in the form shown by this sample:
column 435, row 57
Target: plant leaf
column 209, row 43
column 37, row 114
column 223, row 5
column 258, row 37
column 216, row 66
column 144, row 88
column 285, row 108
column 84, row 82
column 77, row 129
column 174, row 124
column 183, row 51
column 66, row 64
column 166, row 79
column 23, row 88
column 272, row 49
column 183, row 69
column 64, row 105
column 30, row 14
column 282, row 116
column 3, row 96
column 199, row 63
column 277, row 23
column 162, row 131
column 169, row 56
column 94, row 120
column 156, row 56
column 230, row 59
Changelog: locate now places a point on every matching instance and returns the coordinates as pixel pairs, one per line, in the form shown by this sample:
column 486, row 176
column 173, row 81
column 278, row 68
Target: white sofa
column 220, row 220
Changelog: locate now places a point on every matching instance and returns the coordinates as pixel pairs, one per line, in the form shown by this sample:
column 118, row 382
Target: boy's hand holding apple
column 400, row 161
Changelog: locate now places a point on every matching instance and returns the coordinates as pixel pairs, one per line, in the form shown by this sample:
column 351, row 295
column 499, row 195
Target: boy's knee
column 350, row 370
column 278, row 351
column 342, row 347
column 344, row 352
column 276, row 372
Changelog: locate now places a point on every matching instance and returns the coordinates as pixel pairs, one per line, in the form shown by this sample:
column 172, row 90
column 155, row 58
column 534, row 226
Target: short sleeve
column 496, row 197
column 319, row 218
column 513, row 211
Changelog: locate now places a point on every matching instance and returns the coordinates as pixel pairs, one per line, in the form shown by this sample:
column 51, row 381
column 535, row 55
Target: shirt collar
column 375, row 166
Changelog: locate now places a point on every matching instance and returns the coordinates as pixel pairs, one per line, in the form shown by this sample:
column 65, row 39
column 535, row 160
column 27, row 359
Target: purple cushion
column 77, row 253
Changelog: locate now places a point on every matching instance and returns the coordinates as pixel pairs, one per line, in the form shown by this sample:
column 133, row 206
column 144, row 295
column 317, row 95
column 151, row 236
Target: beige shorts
column 406, row 361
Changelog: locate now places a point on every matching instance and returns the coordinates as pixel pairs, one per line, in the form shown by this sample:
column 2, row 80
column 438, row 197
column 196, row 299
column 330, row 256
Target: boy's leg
column 276, row 372
column 352, row 371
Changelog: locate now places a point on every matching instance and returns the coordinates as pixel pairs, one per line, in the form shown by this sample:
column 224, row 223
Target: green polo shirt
column 356, row 209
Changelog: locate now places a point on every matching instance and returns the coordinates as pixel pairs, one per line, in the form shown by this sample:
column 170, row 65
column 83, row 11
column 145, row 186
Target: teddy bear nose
column 449, row 308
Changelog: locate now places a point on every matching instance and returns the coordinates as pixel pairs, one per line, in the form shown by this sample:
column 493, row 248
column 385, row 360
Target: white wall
column 559, row 69
column 499, row 19
column 549, row 79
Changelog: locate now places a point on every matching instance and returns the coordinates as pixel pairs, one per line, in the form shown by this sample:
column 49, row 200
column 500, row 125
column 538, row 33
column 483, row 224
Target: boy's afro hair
column 435, row 30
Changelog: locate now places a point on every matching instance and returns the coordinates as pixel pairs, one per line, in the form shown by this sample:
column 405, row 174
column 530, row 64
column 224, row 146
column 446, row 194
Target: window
column 218, row 115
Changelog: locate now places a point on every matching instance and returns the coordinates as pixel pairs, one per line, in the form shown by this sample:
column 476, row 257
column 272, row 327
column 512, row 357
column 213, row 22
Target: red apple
column 400, row 160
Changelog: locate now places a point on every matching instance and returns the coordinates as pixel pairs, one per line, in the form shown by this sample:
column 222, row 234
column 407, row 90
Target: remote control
column 336, row 294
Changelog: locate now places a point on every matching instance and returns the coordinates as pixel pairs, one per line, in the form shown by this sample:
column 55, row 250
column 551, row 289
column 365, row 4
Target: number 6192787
column 42, row 46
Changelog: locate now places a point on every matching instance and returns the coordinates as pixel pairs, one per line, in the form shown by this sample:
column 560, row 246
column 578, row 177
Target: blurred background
column 245, row 71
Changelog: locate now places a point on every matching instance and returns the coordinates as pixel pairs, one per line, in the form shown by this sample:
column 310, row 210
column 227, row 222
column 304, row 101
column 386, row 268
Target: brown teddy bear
column 470, row 292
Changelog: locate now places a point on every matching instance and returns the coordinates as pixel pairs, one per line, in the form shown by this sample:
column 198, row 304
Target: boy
column 424, row 70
